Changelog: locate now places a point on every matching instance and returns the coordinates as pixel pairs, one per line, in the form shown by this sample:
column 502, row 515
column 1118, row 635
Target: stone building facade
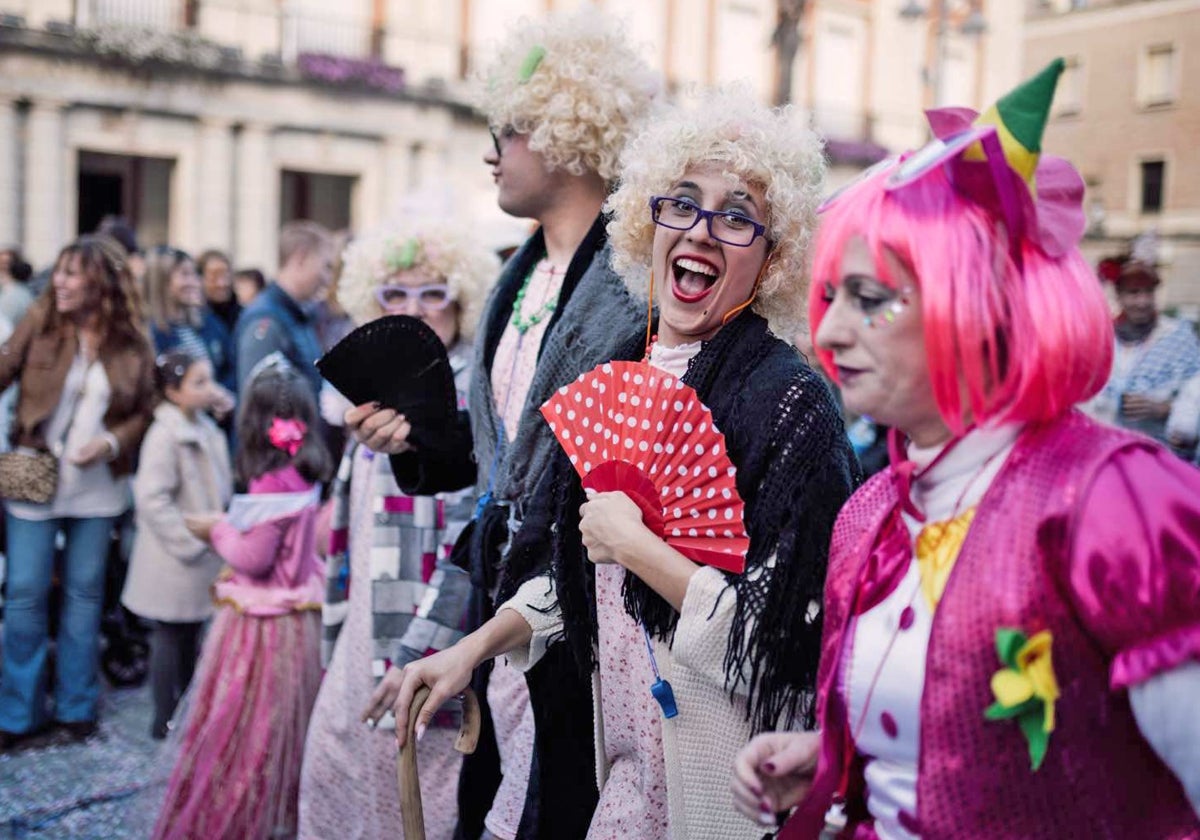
column 1128, row 115
column 213, row 134
column 210, row 122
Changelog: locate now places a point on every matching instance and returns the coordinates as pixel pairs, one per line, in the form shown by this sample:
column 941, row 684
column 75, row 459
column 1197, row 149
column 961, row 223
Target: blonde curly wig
column 573, row 83
column 767, row 148
column 440, row 248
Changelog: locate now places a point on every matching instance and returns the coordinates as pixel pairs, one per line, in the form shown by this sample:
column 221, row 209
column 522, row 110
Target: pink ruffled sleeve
column 251, row 552
column 1135, row 563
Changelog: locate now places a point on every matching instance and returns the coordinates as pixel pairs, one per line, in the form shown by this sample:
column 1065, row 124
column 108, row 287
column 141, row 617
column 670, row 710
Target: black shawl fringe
column 795, row 470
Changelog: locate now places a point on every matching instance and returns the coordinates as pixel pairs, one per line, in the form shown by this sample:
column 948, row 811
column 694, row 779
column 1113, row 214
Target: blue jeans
column 26, row 642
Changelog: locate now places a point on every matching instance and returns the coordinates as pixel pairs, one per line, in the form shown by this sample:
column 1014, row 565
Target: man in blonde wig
column 561, row 97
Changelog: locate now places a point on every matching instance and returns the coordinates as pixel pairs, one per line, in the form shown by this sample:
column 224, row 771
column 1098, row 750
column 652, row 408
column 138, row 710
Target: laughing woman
column 714, row 218
column 86, row 373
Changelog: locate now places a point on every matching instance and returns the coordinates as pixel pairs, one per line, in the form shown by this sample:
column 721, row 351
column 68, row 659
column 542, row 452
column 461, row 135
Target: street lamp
column 973, row 25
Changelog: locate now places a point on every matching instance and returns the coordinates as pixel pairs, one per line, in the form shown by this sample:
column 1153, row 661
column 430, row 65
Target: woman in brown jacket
column 85, row 369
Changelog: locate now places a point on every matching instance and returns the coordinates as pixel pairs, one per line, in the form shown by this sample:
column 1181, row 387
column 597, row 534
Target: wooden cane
column 406, row 763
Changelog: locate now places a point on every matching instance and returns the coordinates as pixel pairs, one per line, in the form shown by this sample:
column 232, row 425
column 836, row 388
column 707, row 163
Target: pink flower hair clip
column 287, row 435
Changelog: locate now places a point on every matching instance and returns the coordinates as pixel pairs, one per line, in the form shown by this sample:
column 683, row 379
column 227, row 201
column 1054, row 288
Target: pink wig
column 1015, row 343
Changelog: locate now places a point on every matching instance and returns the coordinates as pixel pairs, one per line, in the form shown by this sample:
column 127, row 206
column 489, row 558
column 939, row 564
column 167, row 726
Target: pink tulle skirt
column 240, row 751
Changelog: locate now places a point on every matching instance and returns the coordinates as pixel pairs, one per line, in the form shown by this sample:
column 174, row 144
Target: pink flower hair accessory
column 287, row 435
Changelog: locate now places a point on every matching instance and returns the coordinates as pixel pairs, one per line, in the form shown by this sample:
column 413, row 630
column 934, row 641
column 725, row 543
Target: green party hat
column 1020, row 118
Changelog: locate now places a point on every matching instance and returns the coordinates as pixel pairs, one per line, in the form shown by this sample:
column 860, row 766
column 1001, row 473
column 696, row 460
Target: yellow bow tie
column 938, row 545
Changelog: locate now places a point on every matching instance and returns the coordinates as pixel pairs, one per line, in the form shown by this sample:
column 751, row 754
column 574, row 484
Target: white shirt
column 886, row 719
column 673, row 360
column 83, row 492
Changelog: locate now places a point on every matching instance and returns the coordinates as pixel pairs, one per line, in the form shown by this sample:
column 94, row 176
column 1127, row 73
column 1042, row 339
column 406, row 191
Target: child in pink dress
column 238, row 770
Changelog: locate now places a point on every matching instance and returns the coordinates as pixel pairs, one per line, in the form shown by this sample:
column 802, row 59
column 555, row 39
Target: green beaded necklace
column 524, row 324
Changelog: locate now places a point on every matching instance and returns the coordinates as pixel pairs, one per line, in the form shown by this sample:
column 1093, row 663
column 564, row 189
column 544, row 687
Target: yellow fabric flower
column 1033, row 677
column 937, row 548
column 1034, row 661
column 1026, row 689
column 1011, row 688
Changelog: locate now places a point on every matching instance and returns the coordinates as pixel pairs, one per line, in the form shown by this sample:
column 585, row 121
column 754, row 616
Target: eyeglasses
column 431, row 298
column 683, row 214
column 505, row 134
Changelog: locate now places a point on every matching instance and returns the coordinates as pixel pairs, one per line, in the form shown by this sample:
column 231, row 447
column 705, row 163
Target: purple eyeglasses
column 430, row 298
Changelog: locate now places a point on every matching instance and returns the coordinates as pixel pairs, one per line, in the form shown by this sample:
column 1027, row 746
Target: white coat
column 184, row 469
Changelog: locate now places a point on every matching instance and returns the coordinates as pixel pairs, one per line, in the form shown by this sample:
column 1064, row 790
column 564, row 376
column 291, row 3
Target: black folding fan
column 399, row 362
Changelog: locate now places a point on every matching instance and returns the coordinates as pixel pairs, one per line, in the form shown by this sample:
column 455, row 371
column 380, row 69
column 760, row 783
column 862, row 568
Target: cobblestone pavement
column 51, row 787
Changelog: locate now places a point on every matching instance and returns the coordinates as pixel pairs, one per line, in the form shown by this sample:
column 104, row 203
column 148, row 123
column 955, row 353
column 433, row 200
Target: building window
column 318, row 196
column 138, row 188
column 1154, row 174
column 1156, row 75
column 1068, row 100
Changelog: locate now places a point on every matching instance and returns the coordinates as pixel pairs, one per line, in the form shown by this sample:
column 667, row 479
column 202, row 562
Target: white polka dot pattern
column 670, row 456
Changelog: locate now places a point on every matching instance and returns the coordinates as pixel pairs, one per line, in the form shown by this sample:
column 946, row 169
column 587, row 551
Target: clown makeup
column 875, row 336
column 877, row 309
column 875, row 303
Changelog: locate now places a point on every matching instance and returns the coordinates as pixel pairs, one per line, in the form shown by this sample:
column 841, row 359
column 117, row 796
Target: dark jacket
column 227, row 313
column 217, row 341
column 39, row 357
column 275, row 322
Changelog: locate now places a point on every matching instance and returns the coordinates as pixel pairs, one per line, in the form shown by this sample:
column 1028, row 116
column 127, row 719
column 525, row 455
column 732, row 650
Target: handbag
column 31, row 475
column 28, row 475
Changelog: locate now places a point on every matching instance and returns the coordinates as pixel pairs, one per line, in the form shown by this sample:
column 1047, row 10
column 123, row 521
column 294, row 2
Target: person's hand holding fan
column 631, row 427
column 399, row 362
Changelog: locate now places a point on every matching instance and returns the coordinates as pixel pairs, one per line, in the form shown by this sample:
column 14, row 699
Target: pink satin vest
column 1100, row 779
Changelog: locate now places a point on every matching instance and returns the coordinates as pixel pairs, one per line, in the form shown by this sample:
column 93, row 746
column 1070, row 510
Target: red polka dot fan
column 631, row 427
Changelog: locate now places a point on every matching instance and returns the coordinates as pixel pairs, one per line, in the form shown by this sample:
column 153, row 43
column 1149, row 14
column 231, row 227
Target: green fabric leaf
column 1038, row 738
column 532, row 59
column 1009, row 642
column 407, row 257
column 998, row 712
column 404, row 257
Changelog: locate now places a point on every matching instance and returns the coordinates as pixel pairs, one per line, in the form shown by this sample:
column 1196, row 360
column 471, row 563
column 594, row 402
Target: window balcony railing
column 148, row 14
column 306, row 33
column 338, row 42
column 287, row 31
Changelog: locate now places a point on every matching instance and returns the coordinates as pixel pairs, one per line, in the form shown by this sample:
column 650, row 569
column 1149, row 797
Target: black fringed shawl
column 785, row 434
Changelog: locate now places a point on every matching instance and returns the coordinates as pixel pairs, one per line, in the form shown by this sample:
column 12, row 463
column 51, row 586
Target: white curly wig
column 573, row 83
column 441, row 249
column 768, row 148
